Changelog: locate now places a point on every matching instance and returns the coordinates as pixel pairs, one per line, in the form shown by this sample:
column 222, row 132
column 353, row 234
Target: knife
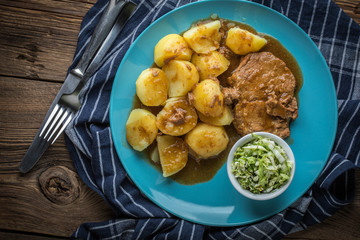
column 109, row 27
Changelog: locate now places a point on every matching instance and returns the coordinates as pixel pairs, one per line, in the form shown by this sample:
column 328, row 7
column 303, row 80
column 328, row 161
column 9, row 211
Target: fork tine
column 63, row 126
column 49, row 119
column 63, row 116
column 68, row 116
column 54, row 121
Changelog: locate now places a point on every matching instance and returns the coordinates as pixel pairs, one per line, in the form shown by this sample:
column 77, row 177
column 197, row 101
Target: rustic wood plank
column 39, row 44
column 21, row 236
column 37, row 41
column 75, row 9
column 23, row 206
column 350, row 7
column 30, row 211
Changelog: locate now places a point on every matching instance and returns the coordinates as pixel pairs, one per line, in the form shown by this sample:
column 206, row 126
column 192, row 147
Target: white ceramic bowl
column 261, row 196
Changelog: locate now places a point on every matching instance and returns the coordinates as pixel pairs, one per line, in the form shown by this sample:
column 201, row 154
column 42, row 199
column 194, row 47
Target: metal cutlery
column 66, row 103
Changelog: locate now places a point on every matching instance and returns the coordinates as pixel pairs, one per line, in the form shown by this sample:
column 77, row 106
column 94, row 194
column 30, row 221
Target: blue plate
column 216, row 202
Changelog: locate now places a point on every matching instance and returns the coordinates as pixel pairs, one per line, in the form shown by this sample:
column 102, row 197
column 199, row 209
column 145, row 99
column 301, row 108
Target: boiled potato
column 204, row 38
column 206, row 140
column 173, row 153
column 225, row 118
column 210, row 65
column 152, row 87
column 243, row 42
column 177, row 117
column 172, row 46
column 208, row 98
column 182, row 76
column 141, row 129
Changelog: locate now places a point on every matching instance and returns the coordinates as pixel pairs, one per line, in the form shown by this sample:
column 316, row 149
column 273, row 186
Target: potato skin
column 182, row 77
column 243, row 42
column 141, row 129
column 177, row 117
column 208, row 98
column 206, row 140
column 172, row 46
column 225, row 118
column 204, row 38
column 152, row 87
column 173, row 153
column 210, row 65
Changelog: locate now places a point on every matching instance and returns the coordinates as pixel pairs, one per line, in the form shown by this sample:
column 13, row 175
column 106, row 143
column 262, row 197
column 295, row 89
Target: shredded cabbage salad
column 261, row 166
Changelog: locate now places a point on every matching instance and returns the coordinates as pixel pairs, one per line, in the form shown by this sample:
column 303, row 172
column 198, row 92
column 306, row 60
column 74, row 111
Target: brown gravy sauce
column 197, row 172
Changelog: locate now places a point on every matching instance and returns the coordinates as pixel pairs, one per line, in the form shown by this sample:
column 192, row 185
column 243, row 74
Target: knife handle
column 98, row 59
column 125, row 14
column 101, row 31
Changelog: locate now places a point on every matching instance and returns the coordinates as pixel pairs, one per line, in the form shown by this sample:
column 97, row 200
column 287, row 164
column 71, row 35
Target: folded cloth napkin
column 92, row 150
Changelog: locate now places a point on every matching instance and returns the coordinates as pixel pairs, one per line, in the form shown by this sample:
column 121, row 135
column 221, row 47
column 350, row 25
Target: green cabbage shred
column 261, row 166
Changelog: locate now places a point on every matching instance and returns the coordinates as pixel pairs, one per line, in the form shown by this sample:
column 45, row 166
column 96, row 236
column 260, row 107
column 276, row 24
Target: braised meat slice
column 231, row 95
column 252, row 117
column 265, row 88
column 280, row 109
column 262, row 75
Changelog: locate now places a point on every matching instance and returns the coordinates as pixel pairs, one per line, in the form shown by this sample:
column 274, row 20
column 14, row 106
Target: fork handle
column 103, row 28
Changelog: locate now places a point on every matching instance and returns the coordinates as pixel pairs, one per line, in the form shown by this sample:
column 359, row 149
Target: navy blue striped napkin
column 92, row 150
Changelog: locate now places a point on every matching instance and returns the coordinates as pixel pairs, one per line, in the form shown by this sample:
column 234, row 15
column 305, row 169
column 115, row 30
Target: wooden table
column 37, row 43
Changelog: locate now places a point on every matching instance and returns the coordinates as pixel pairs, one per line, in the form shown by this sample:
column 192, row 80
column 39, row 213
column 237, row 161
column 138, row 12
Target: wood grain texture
column 37, row 43
column 23, row 206
column 16, row 235
column 38, row 38
column 351, row 8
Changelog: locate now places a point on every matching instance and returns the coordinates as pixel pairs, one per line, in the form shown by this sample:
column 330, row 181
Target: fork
column 66, row 103
column 61, row 115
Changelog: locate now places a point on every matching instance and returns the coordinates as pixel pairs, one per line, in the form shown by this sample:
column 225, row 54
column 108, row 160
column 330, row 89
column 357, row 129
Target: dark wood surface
column 37, row 43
